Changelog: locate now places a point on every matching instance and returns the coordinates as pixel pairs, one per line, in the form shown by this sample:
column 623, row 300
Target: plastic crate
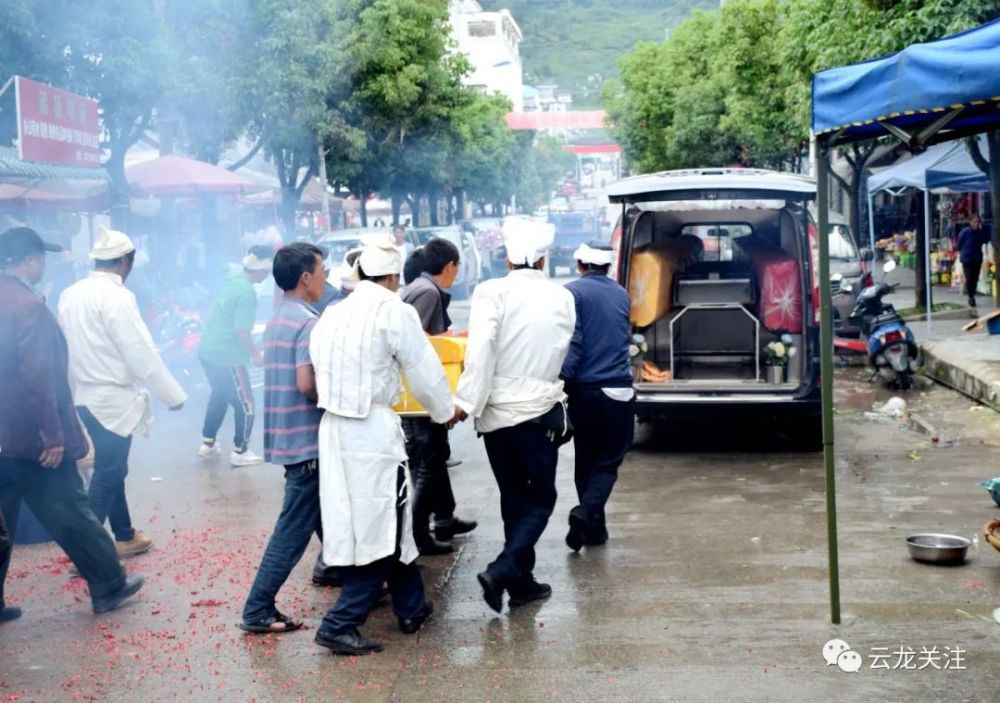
column 451, row 352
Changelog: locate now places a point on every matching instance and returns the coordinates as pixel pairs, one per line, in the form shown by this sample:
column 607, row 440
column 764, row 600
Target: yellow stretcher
column 451, row 352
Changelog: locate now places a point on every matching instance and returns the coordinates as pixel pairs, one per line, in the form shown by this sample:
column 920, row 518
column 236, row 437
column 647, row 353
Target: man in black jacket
column 971, row 241
column 40, row 435
column 426, row 442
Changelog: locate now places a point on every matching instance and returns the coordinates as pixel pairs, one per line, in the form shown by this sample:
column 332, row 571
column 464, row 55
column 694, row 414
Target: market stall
column 943, row 168
column 924, row 95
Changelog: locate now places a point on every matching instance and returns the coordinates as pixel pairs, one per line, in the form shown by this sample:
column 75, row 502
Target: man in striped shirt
column 291, row 426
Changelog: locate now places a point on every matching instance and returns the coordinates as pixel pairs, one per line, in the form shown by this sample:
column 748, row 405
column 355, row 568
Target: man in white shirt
column 358, row 349
column 112, row 363
column 520, row 328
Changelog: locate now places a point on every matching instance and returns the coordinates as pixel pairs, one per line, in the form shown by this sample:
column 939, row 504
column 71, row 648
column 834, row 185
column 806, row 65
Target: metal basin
column 933, row 548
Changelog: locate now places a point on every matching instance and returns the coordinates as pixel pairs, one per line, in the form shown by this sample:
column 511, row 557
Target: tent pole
column 871, row 223
column 927, row 257
column 826, row 370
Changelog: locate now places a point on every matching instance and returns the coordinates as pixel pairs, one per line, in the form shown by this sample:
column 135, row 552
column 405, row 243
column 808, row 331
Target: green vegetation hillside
column 577, row 43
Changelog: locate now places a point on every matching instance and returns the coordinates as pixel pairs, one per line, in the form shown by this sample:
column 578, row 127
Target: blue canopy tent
column 923, row 95
column 946, row 167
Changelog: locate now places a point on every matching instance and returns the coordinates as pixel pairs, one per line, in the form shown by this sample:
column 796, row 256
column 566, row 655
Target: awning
column 13, row 169
column 943, row 167
column 954, row 80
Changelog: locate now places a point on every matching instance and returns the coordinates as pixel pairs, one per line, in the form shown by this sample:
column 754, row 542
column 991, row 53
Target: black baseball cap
column 18, row 243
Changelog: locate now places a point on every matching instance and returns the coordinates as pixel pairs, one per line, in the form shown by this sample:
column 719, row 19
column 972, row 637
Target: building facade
column 491, row 41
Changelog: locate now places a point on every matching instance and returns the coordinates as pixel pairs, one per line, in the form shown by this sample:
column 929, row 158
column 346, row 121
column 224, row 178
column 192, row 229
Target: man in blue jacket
column 971, row 241
column 598, row 380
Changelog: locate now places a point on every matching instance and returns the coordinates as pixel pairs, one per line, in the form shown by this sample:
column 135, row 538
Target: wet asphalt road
column 713, row 585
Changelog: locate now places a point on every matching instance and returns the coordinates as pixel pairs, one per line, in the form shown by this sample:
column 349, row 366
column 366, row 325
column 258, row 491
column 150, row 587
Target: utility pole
column 325, row 196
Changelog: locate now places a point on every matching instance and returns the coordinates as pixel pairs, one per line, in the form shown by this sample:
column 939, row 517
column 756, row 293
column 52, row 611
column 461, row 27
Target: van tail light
column 813, row 239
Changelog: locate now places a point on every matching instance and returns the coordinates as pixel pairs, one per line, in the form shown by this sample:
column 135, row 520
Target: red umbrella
column 183, row 177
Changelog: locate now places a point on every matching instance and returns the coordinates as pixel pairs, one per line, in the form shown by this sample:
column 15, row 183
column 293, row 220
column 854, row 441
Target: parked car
column 339, row 243
column 850, row 272
column 718, row 265
column 471, row 264
column 572, row 230
column 488, row 236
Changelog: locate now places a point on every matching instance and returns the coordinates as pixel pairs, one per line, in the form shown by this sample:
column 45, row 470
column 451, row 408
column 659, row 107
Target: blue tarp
column 946, row 166
column 914, row 87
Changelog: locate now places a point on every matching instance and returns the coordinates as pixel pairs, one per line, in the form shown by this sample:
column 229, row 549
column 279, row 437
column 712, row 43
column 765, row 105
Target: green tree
column 115, row 52
column 201, row 107
column 400, row 87
column 668, row 109
column 291, row 81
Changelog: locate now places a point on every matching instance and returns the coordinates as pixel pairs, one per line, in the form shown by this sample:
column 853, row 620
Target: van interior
column 710, row 289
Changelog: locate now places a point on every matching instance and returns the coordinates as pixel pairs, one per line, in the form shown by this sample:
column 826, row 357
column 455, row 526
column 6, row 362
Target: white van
column 718, row 265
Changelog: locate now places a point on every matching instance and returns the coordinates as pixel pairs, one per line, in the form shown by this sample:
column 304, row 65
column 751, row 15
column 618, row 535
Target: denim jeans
column 362, row 584
column 107, row 484
column 524, row 461
column 57, row 498
column 298, row 521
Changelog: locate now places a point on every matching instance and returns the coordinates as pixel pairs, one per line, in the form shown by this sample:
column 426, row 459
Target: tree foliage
column 734, row 84
column 373, row 85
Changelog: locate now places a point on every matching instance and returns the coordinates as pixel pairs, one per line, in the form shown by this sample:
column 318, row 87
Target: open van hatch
column 717, row 264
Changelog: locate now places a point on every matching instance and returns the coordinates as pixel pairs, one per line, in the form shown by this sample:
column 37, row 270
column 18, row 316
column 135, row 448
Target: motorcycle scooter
column 892, row 351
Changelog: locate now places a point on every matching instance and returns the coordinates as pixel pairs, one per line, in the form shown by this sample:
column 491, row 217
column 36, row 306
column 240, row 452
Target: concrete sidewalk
column 966, row 361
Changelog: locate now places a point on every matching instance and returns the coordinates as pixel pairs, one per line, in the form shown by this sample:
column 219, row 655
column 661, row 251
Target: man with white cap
column 113, row 366
column 598, row 380
column 358, row 349
column 520, row 328
column 227, row 347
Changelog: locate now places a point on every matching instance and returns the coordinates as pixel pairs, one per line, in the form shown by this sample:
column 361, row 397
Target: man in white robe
column 114, row 367
column 520, row 328
column 358, row 349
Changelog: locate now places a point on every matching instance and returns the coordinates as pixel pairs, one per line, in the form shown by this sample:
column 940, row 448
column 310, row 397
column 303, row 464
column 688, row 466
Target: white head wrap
column 110, row 244
column 347, row 273
column 527, row 240
column 380, row 260
column 251, row 262
column 595, row 256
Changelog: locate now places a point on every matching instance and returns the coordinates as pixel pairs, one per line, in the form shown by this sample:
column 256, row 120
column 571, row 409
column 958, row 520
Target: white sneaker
column 246, row 458
column 209, row 451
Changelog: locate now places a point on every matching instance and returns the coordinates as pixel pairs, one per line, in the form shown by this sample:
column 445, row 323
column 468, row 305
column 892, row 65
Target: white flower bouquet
column 778, row 352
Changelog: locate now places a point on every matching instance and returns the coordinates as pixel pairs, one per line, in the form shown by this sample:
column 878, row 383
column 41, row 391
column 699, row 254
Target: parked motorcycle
column 176, row 331
column 892, row 351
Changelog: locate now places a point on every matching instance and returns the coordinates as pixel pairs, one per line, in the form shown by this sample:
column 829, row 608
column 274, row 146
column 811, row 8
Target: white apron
column 358, row 348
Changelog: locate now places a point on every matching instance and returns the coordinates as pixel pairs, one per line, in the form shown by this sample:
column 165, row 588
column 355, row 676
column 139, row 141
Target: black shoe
column 327, row 576
column 492, row 591
column 445, row 531
column 409, row 626
column 529, row 593
column 10, row 612
column 595, row 538
column 429, row 546
column 578, row 528
column 352, row 643
column 131, row 587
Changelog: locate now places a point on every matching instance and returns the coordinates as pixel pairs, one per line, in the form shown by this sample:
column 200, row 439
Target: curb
column 960, row 314
column 965, row 381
